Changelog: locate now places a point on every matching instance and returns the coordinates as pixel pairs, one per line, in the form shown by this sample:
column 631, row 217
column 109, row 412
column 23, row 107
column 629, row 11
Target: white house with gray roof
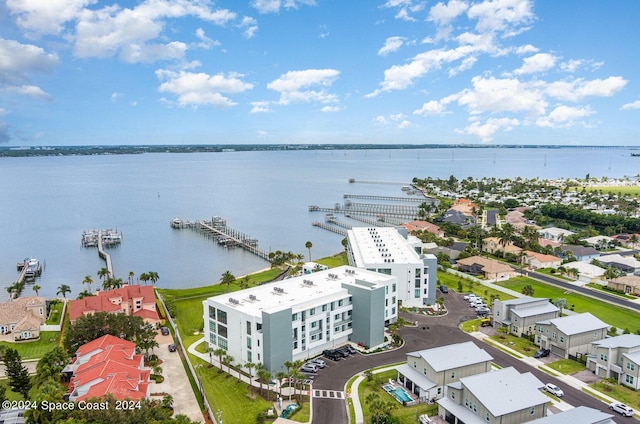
column 521, row 314
column 580, row 414
column 499, row 397
column 617, row 357
column 627, row 264
column 571, row 334
column 555, row 233
column 427, row 372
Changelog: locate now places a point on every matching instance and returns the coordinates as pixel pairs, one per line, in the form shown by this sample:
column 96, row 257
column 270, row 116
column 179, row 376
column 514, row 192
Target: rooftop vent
column 234, row 301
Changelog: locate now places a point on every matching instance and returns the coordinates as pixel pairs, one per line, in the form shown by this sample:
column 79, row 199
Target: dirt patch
column 586, row 376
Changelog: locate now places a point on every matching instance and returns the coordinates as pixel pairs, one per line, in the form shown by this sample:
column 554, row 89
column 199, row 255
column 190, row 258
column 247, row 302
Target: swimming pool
column 399, row 393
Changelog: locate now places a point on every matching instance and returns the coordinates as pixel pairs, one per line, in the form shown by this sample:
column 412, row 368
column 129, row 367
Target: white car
column 621, row 408
column 469, row 296
column 318, row 362
column 554, row 390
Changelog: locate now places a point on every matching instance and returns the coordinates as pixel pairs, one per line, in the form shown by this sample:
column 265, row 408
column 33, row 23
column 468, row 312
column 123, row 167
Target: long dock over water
column 104, row 255
column 419, row 199
column 226, row 236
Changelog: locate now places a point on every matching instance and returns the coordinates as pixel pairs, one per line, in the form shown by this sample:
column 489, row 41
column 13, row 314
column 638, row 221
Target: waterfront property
column 107, row 365
column 298, row 318
column 487, row 268
column 570, row 335
column 627, row 264
column 393, row 251
column 618, row 358
column 520, row 315
column 427, row 372
column 555, row 233
column 133, row 300
column 23, row 317
column 503, row 396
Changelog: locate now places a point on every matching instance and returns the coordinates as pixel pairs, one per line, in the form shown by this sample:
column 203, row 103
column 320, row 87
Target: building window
column 628, row 378
column 386, row 290
column 340, row 302
column 424, row 371
column 312, row 311
column 294, row 317
column 416, row 294
column 324, row 308
column 595, row 335
column 249, row 327
column 222, row 330
column 222, row 316
column 414, row 364
column 249, row 355
column 603, row 357
column 295, row 344
column 393, row 288
column 561, row 339
column 453, row 394
column 393, row 310
column 259, row 326
column 453, row 374
column 532, row 410
column 222, row 343
column 488, row 417
column 393, row 300
column 212, row 326
column 248, row 342
column 554, row 335
column 212, row 339
column 631, row 366
column 212, row 312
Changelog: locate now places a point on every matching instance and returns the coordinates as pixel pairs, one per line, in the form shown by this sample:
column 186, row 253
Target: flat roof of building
column 376, row 245
column 305, row 290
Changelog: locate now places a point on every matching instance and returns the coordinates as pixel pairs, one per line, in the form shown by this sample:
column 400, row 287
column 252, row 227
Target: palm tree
column 84, row 293
column 227, row 278
column 144, row 277
column 634, row 240
column 280, row 376
column 244, row 282
column 527, row 290
column 220, row 352
column 153, row 276
column 131, row 275
column 36, row 288
column 249, row 366
column 227, row 360
column 63, row 289
column 265, row 377
column 309, row 245
column 88, row 280
column 103, row 273
column 289, row 366
column 561, row 303
column 506, row 236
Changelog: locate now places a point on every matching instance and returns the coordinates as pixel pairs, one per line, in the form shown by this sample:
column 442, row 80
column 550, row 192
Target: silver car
column 621, row 408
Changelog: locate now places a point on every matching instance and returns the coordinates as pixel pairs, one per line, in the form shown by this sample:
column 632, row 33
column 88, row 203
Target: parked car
column 541, row 353
column 444, row 289
column 309, row 367
column 621, row 408
column 554, row 390
column 320, row 363
column 331, row 354
column 486, row 322
column 469, row 296
column 483, row 310
column 164, row 331
column 172, row 347
column 344, row 352
column 351, row 349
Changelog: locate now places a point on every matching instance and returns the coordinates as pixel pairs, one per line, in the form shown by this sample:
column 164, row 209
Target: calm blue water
column 47, row 202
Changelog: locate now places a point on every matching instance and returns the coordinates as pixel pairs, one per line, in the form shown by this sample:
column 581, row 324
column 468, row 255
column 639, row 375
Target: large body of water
column 48, row 201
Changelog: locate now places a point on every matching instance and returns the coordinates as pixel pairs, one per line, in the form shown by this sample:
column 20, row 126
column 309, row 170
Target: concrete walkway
column 357, row 407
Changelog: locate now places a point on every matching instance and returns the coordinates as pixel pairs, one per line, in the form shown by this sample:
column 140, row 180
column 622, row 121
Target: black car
column 444, row 289
column 172, row 347
column 343, row 351
column 332, row 354
column 542, row 353
column 164, row 331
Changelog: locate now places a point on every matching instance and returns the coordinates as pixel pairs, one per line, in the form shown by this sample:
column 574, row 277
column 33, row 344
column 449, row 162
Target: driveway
column 176, row 382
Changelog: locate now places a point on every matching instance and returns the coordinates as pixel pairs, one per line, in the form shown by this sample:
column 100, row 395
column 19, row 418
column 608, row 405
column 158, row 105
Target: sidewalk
column 353, row 395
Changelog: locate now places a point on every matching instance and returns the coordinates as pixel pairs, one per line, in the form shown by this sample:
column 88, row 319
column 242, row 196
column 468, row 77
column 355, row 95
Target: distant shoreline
column 29, row 151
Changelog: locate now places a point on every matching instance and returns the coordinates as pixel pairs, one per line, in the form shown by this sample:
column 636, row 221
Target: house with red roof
column 133, row 300
column 423, row 226
column 108, row 365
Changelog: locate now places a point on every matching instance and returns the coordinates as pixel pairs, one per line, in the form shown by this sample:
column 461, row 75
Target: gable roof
column 578, row 250
column 487, row 265
column 629, row 261
column 103, row 343
column 15, row 310
column 624, row 341
column 510, row 391
column 580, row 414
column 541, row 256
column 453, row 356
column 579, row 323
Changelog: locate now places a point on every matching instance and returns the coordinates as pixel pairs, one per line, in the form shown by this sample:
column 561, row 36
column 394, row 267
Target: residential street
column 430, row 332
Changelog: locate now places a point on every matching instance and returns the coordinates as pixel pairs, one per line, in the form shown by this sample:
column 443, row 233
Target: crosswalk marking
column 328, row 394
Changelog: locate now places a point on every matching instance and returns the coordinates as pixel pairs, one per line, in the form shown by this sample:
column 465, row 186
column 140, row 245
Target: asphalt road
column 430, row 332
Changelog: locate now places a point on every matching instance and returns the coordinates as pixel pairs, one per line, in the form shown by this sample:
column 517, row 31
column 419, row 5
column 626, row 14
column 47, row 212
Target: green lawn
column 239, row 404
column 519, row 344
column 405, row 415
column 451, row 281
column 619, row 392
column 625, row 190
column 334, row 261
column 566, row 366
column 554, row 273
column 613, row 315
column 36, row 348
column 55, row 313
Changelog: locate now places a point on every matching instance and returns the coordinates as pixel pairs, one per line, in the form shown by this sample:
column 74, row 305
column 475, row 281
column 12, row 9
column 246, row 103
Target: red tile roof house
column 133, row 300
column 108, row 365
column 423, row 225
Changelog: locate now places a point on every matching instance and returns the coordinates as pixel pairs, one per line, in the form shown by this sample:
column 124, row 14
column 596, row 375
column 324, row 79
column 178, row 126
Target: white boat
column 33, row 269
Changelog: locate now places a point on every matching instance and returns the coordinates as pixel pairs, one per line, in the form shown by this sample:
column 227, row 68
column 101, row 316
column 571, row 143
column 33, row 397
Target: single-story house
column 580, row 253
column 629, row 284
column 423, row 226
column 521, row 314
column 485, row 267
column 617, row 357
column 599, row 242
column 570, row 335
column 587, row 273
column 427, row 372
column 503, row 396
column 627, row 264
column 535, row 260
column 555, row 233
column 456, row 217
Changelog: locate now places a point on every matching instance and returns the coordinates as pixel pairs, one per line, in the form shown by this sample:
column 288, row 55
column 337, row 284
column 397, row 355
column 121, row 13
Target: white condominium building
column 392, row 251
column 300, row 317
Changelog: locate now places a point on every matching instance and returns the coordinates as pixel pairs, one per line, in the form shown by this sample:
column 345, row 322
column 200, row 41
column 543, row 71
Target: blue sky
column 87, row 72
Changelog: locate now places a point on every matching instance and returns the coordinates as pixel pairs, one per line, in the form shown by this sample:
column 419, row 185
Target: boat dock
column 225, row 236
column 330, row 228
column 29, row 269
column 104, row 255
column 353, row 181
column 91, row 238
column 420, row 199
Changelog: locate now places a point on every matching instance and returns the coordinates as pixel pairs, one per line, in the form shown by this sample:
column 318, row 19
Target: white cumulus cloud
column 18, row 61
column 631, row 106
column 486, row 130
column 391, row 45
column 564, row 116
column 295, row 86
column 537, row 63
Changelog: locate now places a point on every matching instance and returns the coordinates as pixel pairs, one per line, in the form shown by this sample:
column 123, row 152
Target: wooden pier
column 104, row 255
column 420, row 199
column 353, row 181
column 330, row 228
column 225, row 236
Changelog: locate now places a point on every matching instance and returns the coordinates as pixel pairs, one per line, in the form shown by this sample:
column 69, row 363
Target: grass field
column 613, row 315
column 451, row 281
column 625, row 190
column 239, row 404
column 519, row 344
column 55, row 313
column 619, row 392
column 566, row 366
column 36, row 348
